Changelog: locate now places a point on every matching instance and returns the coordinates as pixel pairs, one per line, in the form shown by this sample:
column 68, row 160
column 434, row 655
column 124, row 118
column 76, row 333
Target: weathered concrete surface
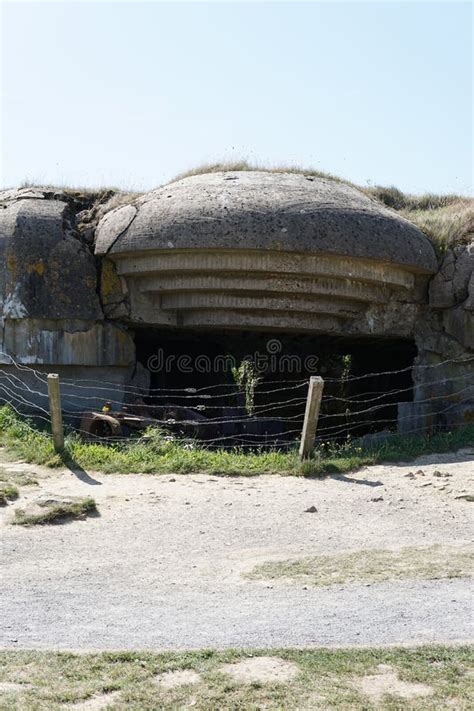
column 252, row 249
column 112, row 226
column 51, row 316
column 445, row 332
column 452, row 293
column 67, row 342
column 47, row 271
column 113, row 292
column 450, row 286
column 260, row 210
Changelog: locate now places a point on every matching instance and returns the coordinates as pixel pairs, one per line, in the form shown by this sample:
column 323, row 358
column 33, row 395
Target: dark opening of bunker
column 194, row 382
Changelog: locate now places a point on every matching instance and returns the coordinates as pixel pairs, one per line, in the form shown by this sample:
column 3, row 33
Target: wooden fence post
column 54, row 395
column 313, row 402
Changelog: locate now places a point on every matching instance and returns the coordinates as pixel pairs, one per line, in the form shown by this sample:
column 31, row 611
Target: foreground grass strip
column 161, row 455
column 45, row 512
column 411, row 563
column 428, row 678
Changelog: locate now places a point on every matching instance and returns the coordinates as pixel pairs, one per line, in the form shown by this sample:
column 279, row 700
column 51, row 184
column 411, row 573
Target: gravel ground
column 161, row 566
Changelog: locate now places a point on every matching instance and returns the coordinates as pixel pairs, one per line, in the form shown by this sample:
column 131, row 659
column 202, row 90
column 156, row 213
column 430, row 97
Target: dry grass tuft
column 8, row 492
column 446, row 226
column 446, row 219
column 119, row 199
column 397, row 200
column 52, row 511
column 243, row 165
column 18, row 478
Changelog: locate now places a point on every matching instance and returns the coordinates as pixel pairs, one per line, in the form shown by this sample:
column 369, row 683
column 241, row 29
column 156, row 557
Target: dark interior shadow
column 79, row 471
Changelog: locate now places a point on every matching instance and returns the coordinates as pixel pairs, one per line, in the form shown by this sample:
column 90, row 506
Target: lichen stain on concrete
column 110, row 285
column 37, row 267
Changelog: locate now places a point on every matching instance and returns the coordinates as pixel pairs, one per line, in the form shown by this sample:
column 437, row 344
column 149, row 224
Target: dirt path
column 162, row 565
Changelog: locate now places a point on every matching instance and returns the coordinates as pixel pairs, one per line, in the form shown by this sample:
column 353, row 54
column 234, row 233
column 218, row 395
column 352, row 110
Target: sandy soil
column 263, row 669
column 172, row 679
column 375, row 686
column 161, row 566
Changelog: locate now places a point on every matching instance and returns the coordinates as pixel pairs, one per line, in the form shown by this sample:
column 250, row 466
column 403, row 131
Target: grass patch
column 18, row 478
column 445, row 226
column 327, row 678
column 9, row 482
column 48, row 512
column 397, row 200
column 411, row 563
column 8, row 492
column 161, row 455
column 446, row 219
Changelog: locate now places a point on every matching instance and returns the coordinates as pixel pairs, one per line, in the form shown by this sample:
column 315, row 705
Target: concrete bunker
column 224, row 263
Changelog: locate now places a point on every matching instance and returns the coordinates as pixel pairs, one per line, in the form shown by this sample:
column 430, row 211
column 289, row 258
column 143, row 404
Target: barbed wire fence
column 217, row 415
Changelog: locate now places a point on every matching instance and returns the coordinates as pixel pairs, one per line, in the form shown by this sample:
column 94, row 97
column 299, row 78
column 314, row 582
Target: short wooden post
column 313, row 403
column 54, row 395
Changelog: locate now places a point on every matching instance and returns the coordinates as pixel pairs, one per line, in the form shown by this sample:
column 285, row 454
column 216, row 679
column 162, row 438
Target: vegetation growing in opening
column 167, row 454
column 247, row 377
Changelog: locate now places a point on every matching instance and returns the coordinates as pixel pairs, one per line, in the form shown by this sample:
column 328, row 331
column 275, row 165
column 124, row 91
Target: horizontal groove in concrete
column 271, row 284
column 211, row 300
column 267, row 262
column 261, row 320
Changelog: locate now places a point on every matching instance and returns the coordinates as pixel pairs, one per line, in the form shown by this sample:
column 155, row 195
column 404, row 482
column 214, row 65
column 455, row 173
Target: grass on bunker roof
column 244, row 165
column 323, row 678
column 159, row 454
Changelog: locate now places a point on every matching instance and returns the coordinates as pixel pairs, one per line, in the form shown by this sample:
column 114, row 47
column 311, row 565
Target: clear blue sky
column 129, row 94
